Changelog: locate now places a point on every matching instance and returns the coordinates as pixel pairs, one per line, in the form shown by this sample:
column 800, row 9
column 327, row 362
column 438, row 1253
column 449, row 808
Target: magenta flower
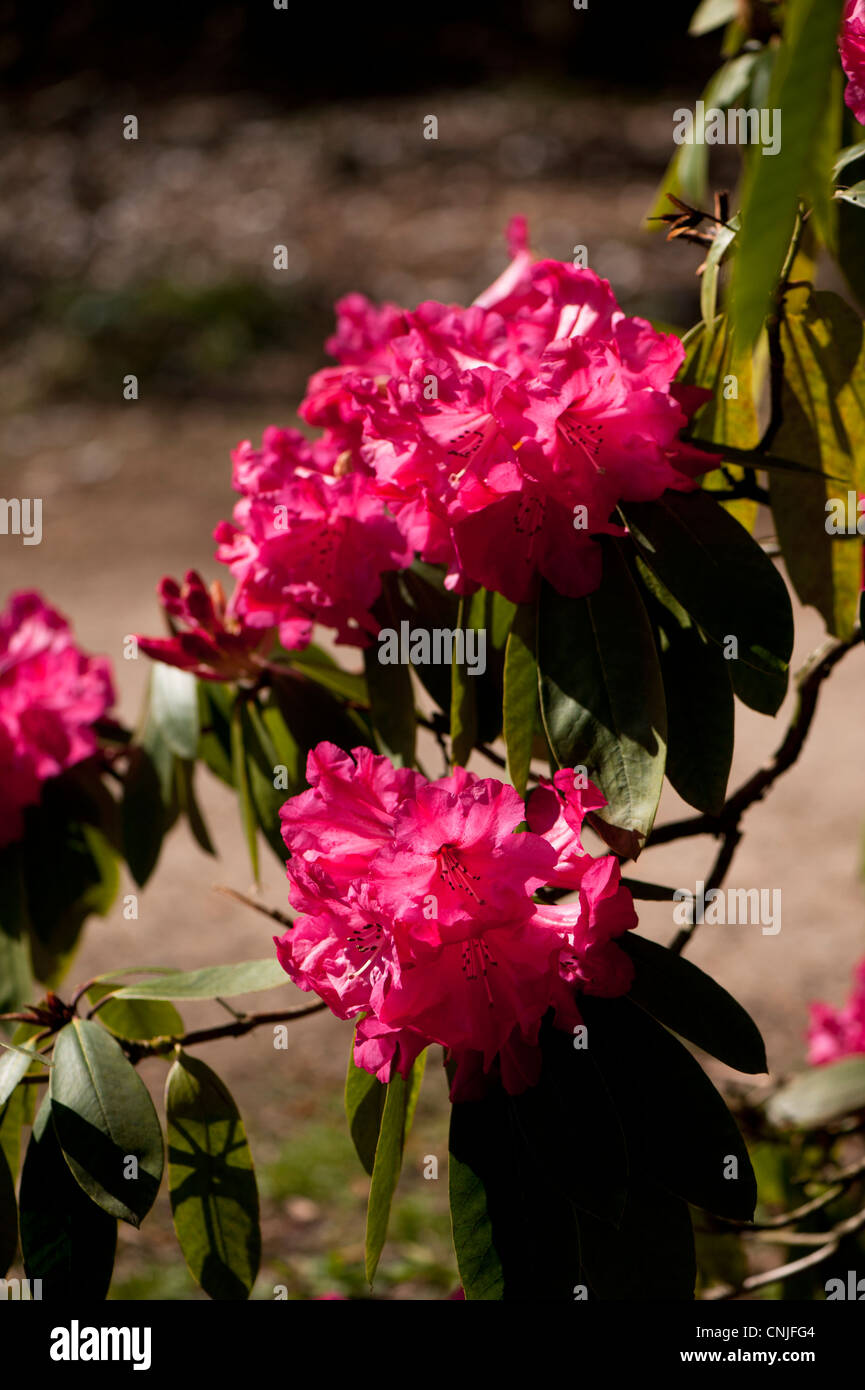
column 51, row 694
column 211, row 643
column 837, row 1033
column 419, row 918
column 503, row 436
column 310, row 539
column 851, row 45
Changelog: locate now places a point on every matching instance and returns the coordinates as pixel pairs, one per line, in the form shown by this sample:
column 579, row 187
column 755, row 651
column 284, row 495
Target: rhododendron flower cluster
column 51, row 693
column 837, row 1033
column 418, row 916
column 504, row 435
column 310, row 539
column 851, row 44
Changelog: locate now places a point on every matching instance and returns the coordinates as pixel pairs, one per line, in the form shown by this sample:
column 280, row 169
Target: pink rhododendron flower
column 51, row 693
column 212, row 644
column 837, row 1033
column 851, row 44
column 419, row 918
column 503, row 436
column 310, row 539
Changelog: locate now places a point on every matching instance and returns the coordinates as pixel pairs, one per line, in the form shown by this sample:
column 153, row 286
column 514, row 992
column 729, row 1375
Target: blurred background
column 260, row 127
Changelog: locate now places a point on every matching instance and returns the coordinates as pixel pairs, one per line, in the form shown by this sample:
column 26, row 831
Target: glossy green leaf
column 725, row 581
column 823, row 406
column 12, row 1119
column 15, row 1062
column 138, row 1019
column 515, row 1236
column 773, row 183
column 396, row 1119
column 240, row 776
column 464, row 705
column 215, row 702
column 8, row 1215
column 67, row 1241
column 211, row 1179
column 142, row 815
column 364, row 1105
column 211, row 982
column 712, row 14
column 602, row 698
column 820, row 1096
column 521, row 695
column 104, row 1119
column 679, row 1132
column 392, row 706
column 174, row 708
column 686, row 999
column 855, row 194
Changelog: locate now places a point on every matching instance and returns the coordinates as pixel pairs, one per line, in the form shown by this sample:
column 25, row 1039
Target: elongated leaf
column 321, row 668
column 211, row 1179
column 699, row 698
column 521, row 695
column 8, row 1215
column 174, row 708
column 187, row 801
column 680, row 1133
column 602, row 698
column 392, row 705
column 211, row 982
column 821, row 1095
column 14, row 1063
column 67, row 1241
column 686, row 999
column 773, row 183
column 712, row 14
column 105, row 1122
column 823, row 406
column 464, row 708
column 395, row 1120
column 137, row 1019
column 855, row 194
column 364, row 1105
column 240, row 775
column 724, row 580
column 515, row 1235
column 12, row 1118
column 214, row 712
column 569, row 1100
column 649, row 1257
column 262, row 773
column 142, row 815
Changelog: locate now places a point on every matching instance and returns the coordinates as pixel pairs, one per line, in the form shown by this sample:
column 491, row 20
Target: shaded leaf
column 819, row 1096
column 211, row 1179
column 211, row 982
column 521, row 695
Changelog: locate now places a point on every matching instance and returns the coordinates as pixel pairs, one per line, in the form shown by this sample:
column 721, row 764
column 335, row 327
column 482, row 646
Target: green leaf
column 12, row 1119
column 141, row 1020
column 823, row 407
column 855, row 194
column 570, row 1100
column 680, row 1133
column 725, row 581
column 211, row 1179
column 521, row 695
column 67, row 1241
column 240, row 770
column 820, row 1096
column 104, row 1118
column 848, row 156
column 602, row 699
column 773, row 183
column 395, row 1121
column 187, row 802
column 15, row 980
column 712, row 14
column 14, row 1063
column 392, row 707
column 214, row 713
column 515, row 1236
column 464, row 706
column 211, row 982
column 142, row 815
column 174, row 708
column 649, row 1258
column 699, row 727
column 8, row 1215
column 321, row 668
column 364, row 1105
column 262, row 764
column 695, row 1006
